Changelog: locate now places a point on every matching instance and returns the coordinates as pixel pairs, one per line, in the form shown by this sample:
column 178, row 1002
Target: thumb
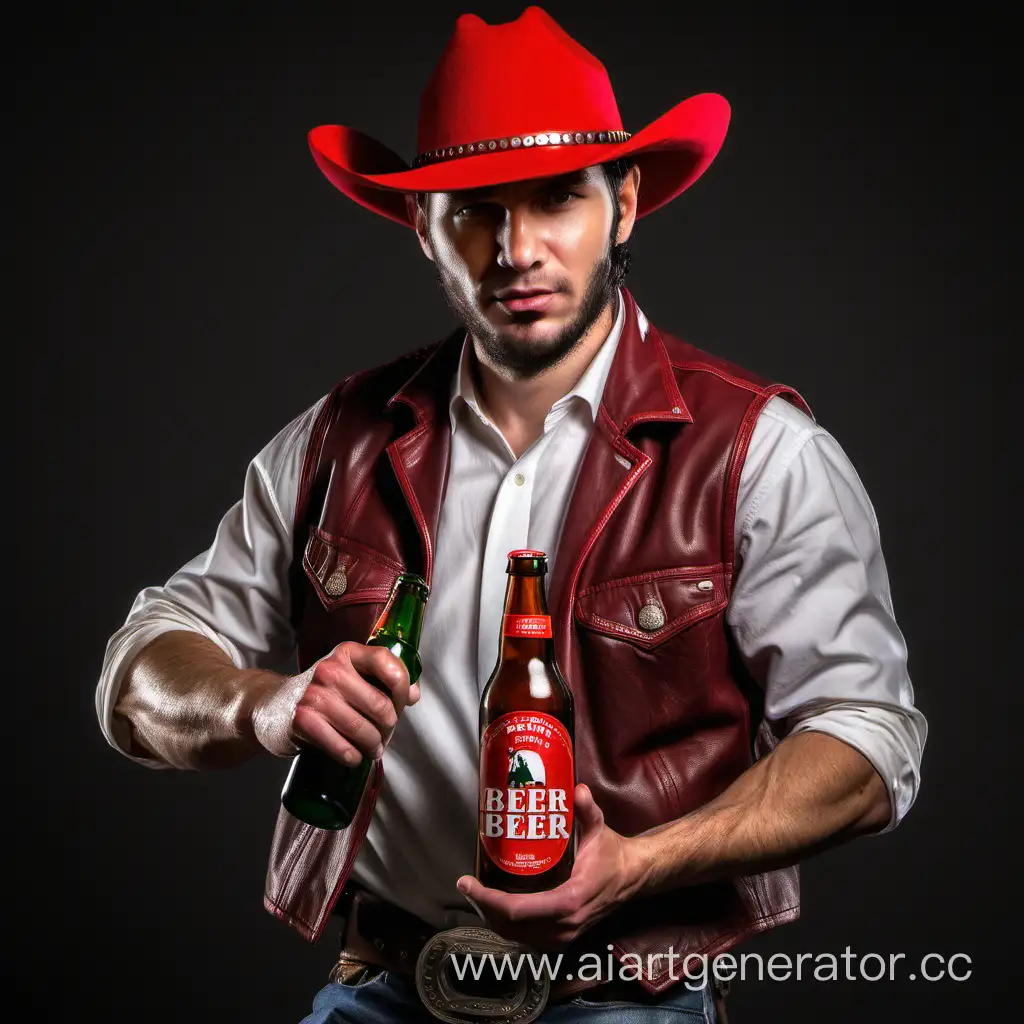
column 588, row 814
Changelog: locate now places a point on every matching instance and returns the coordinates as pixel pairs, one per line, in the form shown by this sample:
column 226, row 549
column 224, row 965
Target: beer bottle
column 322, row 791
column 527, row 764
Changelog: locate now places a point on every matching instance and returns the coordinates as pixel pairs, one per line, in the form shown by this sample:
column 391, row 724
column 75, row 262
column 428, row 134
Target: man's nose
column 519, row 240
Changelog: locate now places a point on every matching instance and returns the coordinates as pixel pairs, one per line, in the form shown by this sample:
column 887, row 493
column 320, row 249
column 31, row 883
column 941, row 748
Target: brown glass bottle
column 525, row 839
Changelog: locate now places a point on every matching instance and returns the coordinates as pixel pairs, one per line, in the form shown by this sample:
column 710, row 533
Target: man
column 718, row 593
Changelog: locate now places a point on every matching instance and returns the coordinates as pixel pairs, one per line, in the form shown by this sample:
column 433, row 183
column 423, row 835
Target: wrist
column 265, row 708
column 640, row 870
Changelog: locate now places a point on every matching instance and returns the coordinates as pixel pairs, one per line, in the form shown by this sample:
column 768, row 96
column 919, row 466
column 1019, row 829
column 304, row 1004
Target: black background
column 187, row 282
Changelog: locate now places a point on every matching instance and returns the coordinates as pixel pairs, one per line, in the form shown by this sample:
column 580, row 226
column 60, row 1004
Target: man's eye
column 471, row 210
column 561, row 198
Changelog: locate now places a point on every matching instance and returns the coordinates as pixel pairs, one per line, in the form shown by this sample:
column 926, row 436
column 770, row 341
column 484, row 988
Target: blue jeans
column 392, row 999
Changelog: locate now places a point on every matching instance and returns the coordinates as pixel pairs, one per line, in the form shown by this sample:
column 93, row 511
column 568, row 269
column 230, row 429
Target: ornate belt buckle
column 511, row 994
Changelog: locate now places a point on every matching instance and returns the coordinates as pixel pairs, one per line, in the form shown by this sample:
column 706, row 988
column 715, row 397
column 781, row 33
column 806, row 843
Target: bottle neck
column 526, row 624
column 402, row 618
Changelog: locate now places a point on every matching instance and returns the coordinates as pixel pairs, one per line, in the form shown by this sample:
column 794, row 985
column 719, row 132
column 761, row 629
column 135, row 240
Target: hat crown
column 523, row 76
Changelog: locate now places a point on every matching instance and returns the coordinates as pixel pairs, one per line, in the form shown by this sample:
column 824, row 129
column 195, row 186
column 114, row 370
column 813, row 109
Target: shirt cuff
column 124, row 646
column 892, row 740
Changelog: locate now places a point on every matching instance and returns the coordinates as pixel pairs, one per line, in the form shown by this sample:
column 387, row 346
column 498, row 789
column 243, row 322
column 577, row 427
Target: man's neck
column 517, row 406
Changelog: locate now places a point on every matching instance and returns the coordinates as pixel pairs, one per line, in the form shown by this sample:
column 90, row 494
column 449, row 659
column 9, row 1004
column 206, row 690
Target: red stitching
column 665, row 633
column 728, row 377
column 665, row 367
column 311, row 461
column 342, row 543
column 743, row 436
column 682, row 572
column 394, row 455
column 643, row 464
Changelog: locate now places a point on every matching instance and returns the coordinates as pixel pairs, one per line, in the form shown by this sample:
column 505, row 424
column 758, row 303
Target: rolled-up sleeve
column 811, row 610
column 235, row 593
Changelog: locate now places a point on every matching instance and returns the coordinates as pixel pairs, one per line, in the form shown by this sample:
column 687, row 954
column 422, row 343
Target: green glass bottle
column 324, row 792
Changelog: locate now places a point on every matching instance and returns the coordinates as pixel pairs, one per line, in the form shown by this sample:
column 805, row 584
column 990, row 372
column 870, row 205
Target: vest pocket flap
column 650, row 608
column 343, row 571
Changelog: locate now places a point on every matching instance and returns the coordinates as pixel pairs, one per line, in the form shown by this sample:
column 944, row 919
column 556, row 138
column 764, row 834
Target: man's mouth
column 520, row 300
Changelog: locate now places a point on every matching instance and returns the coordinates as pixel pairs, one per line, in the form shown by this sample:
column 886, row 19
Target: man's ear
column 628, row 198
column 419, row 218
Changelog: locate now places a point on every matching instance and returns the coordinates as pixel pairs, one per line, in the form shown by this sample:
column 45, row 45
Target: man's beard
column 526, row 359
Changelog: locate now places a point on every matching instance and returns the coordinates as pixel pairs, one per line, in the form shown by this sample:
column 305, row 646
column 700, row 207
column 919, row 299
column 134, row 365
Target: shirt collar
column 589, row 388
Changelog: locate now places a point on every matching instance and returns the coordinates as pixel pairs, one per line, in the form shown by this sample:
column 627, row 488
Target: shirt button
column 519, row 479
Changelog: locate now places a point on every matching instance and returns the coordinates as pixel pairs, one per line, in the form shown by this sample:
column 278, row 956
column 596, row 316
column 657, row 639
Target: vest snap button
column 337, row 582
column 705, row 585
column 651, row 617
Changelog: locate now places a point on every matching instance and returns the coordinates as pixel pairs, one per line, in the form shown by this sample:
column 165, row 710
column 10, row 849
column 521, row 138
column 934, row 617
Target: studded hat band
column 521, row 141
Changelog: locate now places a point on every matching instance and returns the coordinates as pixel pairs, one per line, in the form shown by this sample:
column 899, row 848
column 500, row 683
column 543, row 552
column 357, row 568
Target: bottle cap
column 527, row 563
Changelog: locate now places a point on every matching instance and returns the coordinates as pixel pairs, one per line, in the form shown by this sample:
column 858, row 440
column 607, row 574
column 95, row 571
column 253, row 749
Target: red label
column 526, row 782
column 528, row 625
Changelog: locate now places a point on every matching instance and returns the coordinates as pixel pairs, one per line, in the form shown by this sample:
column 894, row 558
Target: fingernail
column 463, row 886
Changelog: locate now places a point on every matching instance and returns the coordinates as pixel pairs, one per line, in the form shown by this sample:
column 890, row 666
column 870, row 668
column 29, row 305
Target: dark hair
column 615, row 172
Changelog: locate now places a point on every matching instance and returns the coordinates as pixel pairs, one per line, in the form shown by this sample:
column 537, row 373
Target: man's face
column 526, row 266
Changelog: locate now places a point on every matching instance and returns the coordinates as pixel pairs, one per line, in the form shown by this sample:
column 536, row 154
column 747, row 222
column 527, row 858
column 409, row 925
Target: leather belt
column 379, row 934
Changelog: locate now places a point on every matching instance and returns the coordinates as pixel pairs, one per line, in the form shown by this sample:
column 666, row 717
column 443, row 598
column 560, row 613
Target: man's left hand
column 607, row 872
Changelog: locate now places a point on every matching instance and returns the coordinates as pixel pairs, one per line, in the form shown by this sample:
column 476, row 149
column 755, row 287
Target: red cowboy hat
column 516, row 101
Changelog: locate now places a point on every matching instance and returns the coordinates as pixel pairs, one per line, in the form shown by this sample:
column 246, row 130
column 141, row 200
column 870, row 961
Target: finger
column 588, row 814
column 329, row 698
column 520, row 908
column 312, row 728
column 371, row 702
column 462, row 887
column 414, row 693
column 380, row 664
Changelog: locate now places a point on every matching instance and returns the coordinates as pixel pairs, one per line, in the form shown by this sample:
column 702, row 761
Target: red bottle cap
column 527, row 554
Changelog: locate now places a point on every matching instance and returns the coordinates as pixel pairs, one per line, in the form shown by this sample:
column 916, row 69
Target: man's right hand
column 334, row 706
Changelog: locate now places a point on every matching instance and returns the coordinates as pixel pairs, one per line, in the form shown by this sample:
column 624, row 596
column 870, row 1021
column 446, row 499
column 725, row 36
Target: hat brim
column 672, row 153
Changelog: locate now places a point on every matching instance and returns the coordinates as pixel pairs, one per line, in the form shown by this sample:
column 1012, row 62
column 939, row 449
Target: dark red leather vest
column 665, row 719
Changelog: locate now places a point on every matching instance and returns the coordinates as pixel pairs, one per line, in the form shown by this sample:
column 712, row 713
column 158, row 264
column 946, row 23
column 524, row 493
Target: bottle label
column 526, row 783
column 528, row 625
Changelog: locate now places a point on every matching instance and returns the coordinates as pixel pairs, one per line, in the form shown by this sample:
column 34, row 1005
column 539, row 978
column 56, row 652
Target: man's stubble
column 527, row 359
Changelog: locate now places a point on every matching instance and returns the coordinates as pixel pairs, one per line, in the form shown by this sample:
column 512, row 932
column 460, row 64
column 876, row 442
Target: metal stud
column 651, row 617
column 515, row 142
column 337, row 583
column 705, row 585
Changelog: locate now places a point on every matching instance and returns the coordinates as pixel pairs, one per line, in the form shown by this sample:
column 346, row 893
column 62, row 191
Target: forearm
column 188, row 704
column 812, row 792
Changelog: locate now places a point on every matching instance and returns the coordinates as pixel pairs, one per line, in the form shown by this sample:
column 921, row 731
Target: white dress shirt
column 810, row 611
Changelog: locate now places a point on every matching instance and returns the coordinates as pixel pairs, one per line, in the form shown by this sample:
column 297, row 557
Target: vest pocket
column 650, row 608
column 343, row 571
